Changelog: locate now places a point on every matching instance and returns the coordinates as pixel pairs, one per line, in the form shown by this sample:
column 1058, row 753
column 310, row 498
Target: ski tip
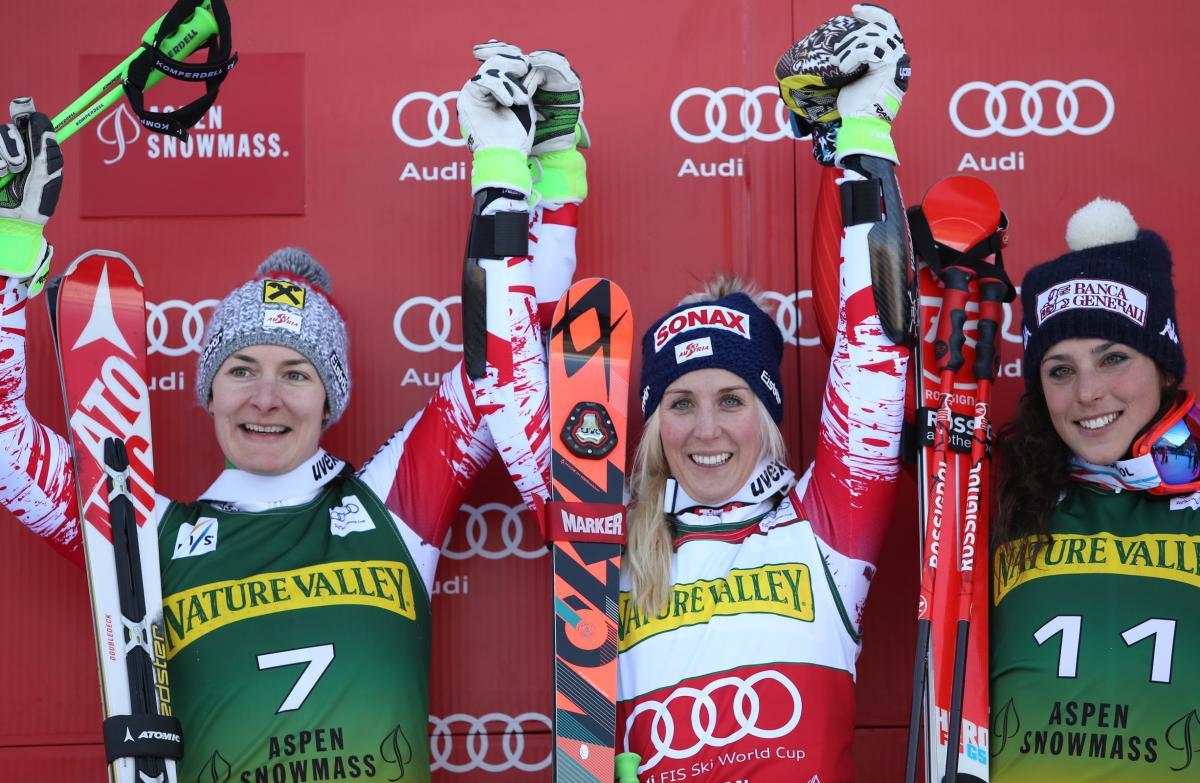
column 110, row 254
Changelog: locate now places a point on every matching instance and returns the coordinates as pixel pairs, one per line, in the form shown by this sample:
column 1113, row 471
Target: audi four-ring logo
column 731, row 114
column 478, row 534
column 441, row 122
column 436, row 333
column 746, row 710
column 478, row 735
column 163, row 337
column 788, row 318
column 1032, row 107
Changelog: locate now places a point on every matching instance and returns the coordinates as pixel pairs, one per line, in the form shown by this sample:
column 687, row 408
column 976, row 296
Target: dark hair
column 1034, row 469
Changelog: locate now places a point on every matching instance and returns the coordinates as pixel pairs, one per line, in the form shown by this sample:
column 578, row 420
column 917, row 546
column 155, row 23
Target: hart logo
column 349, row 518
column 703, row 317
column 612, row 525
column 197, row 539
column 279, row 319
column 283, row 292
column 693, row 349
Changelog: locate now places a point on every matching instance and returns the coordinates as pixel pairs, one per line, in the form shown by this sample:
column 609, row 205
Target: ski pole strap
column 500, row 235
column 585, row 522
column 925, row 427
column 940, row 257
column 212, row 72
column 156, row 736
column 862, row 202
column 991, row 293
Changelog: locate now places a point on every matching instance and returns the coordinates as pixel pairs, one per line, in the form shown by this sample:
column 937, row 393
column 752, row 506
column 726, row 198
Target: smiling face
column 268, row 406
column 1100, row 395
column 710, row 433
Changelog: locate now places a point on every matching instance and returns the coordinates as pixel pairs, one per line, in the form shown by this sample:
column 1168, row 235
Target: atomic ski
column 98, row 317
column 958, row 226
column 590, row 343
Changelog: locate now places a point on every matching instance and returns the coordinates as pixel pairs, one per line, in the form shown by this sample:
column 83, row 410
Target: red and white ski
column 956, row 358
column 98, row 316
column 590, row 344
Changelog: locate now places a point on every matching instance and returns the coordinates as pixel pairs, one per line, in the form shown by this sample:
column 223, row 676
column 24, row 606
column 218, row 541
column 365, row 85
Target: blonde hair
column 650, row 544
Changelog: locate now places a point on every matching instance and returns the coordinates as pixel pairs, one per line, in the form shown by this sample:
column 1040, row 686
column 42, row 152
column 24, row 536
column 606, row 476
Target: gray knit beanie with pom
column 285, row 303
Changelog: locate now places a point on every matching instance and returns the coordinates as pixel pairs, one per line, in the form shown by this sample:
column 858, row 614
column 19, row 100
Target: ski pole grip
column 200, row 26
column 991, row 294
column 627, row 764
column 950, row 338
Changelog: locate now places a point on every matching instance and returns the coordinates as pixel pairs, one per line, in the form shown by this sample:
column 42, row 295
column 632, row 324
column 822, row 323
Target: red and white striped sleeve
column 37, row 480
column 424, row 471
column 851, row 489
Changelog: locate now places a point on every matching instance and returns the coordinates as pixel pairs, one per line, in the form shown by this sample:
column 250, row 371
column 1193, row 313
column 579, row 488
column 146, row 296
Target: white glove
column 496, row 119
column 29, row 149
column 868, row 104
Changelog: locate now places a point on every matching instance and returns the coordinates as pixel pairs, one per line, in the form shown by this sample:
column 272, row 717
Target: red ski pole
column 956, row 281
column 994, row 288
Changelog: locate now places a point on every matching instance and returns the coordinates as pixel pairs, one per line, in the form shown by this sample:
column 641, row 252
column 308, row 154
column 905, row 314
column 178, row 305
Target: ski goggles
column 1173, row 444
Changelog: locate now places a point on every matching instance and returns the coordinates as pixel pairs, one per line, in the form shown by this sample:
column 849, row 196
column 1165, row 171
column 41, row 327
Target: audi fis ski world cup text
column 765, row 705
column 1014, row 109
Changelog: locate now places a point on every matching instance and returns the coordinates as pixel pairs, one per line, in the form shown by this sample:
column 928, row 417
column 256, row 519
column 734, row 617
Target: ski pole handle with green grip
column 627, row 765
column 191, row 35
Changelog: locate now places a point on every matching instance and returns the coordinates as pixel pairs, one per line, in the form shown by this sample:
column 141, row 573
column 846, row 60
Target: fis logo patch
column 350, row 517
column 197, row 539
column 283, row 292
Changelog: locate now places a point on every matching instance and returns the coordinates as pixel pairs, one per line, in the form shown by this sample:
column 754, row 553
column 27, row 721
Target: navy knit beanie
column 731, row 333
column 1115, row 284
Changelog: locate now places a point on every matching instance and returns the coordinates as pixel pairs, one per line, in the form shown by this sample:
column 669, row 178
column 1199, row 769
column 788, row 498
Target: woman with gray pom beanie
column 1096, row 557
column 297, row 589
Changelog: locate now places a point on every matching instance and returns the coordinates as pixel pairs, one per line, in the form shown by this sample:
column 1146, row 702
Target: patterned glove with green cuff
column 846, row 80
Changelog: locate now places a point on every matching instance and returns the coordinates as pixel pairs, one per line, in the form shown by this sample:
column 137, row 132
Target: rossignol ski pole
column 948, row 348
column 994, row 289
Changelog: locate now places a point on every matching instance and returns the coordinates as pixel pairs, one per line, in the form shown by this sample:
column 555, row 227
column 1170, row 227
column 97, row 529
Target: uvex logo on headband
column 702, row 317
column 1092, row 294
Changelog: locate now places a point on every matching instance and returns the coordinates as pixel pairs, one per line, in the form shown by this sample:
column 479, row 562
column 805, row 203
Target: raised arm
column 429, row 465
column 845, row 82
column 36, row 476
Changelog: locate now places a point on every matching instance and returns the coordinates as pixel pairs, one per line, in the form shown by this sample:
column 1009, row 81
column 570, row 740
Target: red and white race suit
column 421, row 473
column 748, row 673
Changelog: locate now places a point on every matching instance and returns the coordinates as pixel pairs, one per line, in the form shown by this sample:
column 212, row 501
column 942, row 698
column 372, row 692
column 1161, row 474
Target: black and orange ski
column 590, row 344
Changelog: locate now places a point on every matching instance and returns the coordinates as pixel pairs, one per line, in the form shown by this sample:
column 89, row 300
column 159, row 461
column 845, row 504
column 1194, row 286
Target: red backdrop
column 336, row 133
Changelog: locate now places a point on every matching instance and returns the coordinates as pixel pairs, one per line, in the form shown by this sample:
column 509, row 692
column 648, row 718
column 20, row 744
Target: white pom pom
column 1101, row 222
